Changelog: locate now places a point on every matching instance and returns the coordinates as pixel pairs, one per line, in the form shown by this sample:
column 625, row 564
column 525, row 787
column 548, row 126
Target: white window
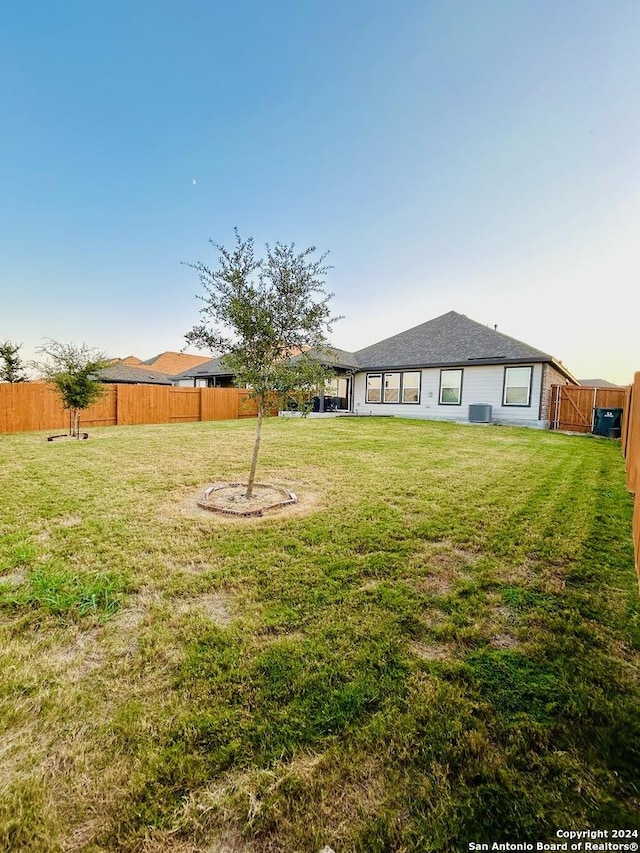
column 517, row 386
column 411, row 387
column 392, row 387
column 374, row 388
column 450, row 387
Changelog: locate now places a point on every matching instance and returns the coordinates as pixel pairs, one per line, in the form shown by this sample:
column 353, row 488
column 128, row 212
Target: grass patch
column 442, row 648
column 16, row 551
column 61, row 592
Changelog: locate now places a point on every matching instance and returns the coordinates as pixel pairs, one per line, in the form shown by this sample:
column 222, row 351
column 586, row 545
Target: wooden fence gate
column 572, row 406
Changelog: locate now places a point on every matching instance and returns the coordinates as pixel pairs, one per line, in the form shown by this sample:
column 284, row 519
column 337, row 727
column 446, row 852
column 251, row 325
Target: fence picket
column 572, row 405
column 27, row 406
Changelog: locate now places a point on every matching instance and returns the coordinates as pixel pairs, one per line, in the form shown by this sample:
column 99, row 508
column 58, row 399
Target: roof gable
column 171, row 363
column 210, row 367
column 133, row 374
column 449, row 339
column 598, row 383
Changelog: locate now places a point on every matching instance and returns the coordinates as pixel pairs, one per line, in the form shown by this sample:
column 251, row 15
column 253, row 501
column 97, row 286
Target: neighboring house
column 436, row 370
column 598, row 383
column 172, row 363
column 167, row 362
column 209, row 374
column 127, row 374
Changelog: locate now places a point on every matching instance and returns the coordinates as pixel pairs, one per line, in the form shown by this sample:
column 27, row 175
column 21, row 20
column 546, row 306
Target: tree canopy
column 72, row 369
column 259, row 312
column 12, row 368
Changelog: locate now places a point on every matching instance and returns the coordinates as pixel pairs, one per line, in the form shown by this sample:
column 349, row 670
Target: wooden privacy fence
column 571, row 406
column 631, row 449
column 26, row 406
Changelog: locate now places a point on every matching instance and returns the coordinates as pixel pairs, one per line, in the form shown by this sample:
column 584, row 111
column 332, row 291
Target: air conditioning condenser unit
column 479, row 413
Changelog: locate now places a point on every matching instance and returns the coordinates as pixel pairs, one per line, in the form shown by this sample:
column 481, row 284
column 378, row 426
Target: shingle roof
column 332, row 357
column 133, row 375
column 599, row 383
column 450, row 339
column 211, row 367
column 172, row 363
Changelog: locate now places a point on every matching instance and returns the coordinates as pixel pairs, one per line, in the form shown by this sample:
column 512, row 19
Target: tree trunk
column 256, row 448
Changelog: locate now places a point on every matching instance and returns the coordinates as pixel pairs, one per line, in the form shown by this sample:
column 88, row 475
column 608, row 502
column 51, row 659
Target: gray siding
column 480, row 384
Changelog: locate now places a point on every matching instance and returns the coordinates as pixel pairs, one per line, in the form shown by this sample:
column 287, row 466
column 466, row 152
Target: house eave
column 454, row 365
column 136, row 382
column 209, row 375
column 557, row 365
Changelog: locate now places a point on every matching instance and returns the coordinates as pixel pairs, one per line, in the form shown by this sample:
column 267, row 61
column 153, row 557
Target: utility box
column 607, row 422
column 479, row 413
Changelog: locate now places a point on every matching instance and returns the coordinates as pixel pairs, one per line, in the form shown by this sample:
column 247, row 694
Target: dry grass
column 435, row 645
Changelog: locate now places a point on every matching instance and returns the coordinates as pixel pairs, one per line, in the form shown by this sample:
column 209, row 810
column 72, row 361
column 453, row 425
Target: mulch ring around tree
column 231, row 499
column 66, row 437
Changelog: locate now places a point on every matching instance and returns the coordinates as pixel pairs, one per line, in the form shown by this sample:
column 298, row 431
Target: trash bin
column 607, row 422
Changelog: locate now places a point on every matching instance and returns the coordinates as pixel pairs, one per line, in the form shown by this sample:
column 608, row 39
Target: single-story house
column 167, row 362
column 449, row 368
column 209, row 374
column 158, row 370
column 170, row 362
column 128, row 374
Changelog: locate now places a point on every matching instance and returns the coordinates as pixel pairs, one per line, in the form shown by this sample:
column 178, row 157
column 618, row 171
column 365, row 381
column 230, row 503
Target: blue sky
column 461, row 155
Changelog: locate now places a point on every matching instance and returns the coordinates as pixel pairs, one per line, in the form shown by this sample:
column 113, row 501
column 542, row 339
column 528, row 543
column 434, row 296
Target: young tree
column 72, row 369
column 259, row 312
column 11, row 369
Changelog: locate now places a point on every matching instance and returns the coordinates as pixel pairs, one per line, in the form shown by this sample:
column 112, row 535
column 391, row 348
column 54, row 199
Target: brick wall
column 550, row 376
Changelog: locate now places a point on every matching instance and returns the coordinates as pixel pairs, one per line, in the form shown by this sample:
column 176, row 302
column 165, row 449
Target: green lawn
column 439, row 645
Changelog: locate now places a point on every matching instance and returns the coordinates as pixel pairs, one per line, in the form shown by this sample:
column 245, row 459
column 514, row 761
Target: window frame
column 401, row 388
column 366, row 390
column 398, row 388
column 444, row 370
column 505, row 386
column 418, row 387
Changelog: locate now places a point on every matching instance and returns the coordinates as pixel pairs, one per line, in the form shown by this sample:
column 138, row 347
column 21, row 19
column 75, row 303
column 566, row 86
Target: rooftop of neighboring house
column 599, row 383
column 129, row 374
column 174, row 362
column 210, row 367
column 170, row 363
